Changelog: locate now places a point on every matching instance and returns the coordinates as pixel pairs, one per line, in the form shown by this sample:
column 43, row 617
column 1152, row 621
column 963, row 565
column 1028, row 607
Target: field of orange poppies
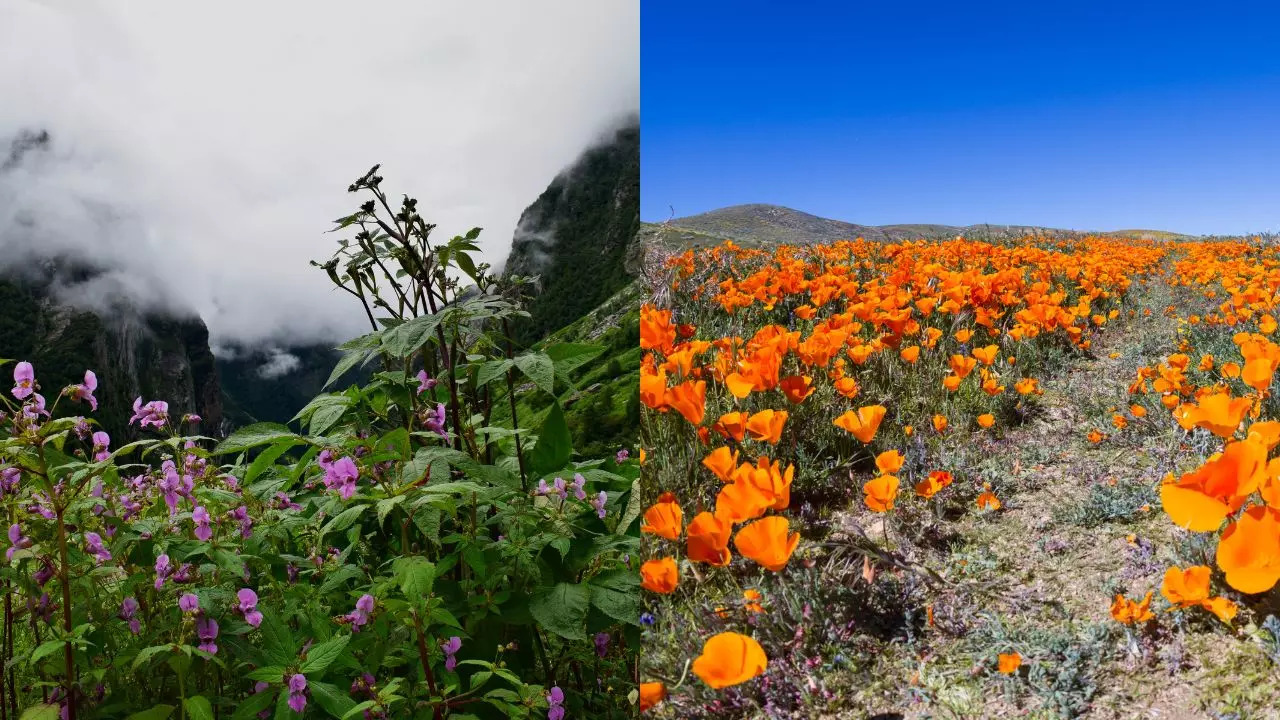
column 962, row 478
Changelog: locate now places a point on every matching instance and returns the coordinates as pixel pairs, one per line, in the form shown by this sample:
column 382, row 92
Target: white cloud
column 280, row 363
column 221, row 137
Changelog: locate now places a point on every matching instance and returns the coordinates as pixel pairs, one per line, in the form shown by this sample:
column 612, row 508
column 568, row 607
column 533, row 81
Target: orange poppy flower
column 753, row 598
column 988, row 501
column 1206, row 363
column 1258, row 372
column 1218, row 413
column 962, row 366
column 651, row 694
column 769, row 479
column 1128, row 612
column 1120, row 421
column 881, row 492
column 689, row 398
column 741, row 501
column 1222, row 607
column 766, row 542
column 1249, row 551
column 864, row 423
column 656, row 329
column 987, row 355
column 1231, row 370
column 1185, row 588
column 766, row 425
column 729, row 659
column 660, row 576
column 722, row 461
column 847, row 387
column 951, row 382
column 653, row 388
column 732, row 425
column 910, row 354
column 797, row 387
column 963, row 335
column 908, row 430
column 664, row 518
column 1095, row 436
column 1009, row 663
column 940, row 423
column 1199, row 501
column 890, row 461
column 936, row 481
column 1137, row 411
column 986, row 420
column 1266, row 432
column 1267, row 324
column 708, row 540
column 1025, row 386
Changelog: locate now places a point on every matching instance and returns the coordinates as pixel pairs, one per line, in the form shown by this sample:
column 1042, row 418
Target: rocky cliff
column 133, row 353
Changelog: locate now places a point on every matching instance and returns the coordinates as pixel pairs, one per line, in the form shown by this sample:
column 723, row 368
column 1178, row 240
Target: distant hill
column 577, row 234
column 762, row 224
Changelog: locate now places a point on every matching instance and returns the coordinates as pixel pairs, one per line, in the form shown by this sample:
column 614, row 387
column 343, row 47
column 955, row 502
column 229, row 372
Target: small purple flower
column 598, row 503
column 451, row 648
column 44, row 574
column 297, row 692
column 85, row 390
column 184, row 574
column 207, row 630
column 128, row 609
column 602, row 643
column 189, row 603
column 163, row 570
column 94, row 541
column 18, row 541
column 9, row 478
column 190, row 419
column 579, row 486
column 622, row 456
column 154, row 413
column 249, row 606
column 81, row 428
column 34, row 408
column 101, row 445
column 241, row 516
column 555, row 699
column 542, row 487
column 284, row 502
column 436, row 420
column 341, row 475
column 561, row 488
column 24, row 380
column 425, row 382
column 360, row 616
column 291, row 572
column 647, row 619
column 200, row 517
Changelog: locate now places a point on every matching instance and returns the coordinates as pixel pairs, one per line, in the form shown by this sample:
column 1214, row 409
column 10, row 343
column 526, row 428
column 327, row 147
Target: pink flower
column 249, row 606
column 24, row 380
column 425, row 382
column 154, row 413
column 101, row 446
column 85, row 390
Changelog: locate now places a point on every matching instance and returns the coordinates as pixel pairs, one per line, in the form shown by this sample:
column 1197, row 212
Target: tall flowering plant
column 417, row 547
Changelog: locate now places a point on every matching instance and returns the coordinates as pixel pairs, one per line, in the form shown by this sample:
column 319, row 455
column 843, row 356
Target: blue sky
column 1102, row 117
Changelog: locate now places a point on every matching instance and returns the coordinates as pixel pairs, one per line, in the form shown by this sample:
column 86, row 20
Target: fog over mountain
column 196, row 154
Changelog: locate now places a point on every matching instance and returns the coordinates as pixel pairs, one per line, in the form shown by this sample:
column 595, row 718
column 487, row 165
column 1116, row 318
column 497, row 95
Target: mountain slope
column 762, row 224
column 576, row 235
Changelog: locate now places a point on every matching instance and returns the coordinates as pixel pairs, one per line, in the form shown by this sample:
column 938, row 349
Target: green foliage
column 412, row 553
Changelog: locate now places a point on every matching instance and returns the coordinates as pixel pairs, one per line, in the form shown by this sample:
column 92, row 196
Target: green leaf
column 386, row 505
column 356, row 710
column 344, row 519
column 634, row 507
column 348, row 361
column 567, row 357
column 266, row 458
column 147, row 653
column 278, row 639
column 562, row 609
column 416, row 576
column 198, row 708
column 538, row 368
column 326, row 416
column 332, row 700
column 406, row 338
column 44, row 711
column 321, row 656
column 555, row 446
column 159, row 712
column 254, row 704
column 492, row 370
column 252, row 436
column 270, row 674
column 46, row 649
column 617, row 594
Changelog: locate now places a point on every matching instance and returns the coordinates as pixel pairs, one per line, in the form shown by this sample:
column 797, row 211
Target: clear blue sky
column 1106, row 116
